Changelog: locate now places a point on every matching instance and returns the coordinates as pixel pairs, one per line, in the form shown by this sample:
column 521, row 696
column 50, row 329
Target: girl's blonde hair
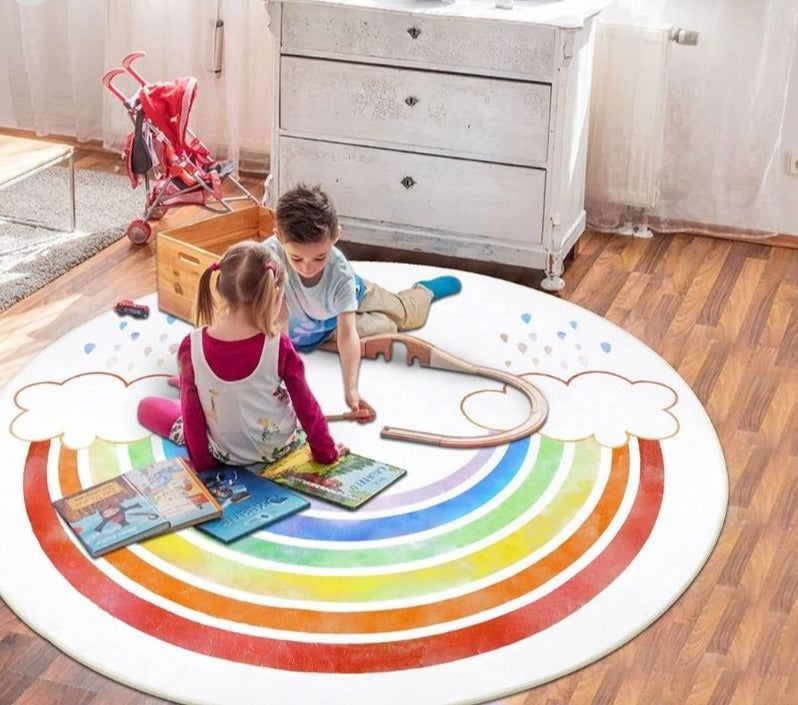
column 249, row 276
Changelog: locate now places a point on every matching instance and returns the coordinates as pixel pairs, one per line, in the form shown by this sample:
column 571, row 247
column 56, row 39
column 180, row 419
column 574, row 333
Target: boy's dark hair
column 306, row 215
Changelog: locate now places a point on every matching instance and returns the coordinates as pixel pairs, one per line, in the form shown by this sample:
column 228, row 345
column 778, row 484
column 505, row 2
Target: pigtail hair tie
column 214, row 266
column 270, row 267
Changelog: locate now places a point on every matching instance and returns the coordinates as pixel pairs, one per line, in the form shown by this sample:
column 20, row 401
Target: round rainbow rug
column 479, row 574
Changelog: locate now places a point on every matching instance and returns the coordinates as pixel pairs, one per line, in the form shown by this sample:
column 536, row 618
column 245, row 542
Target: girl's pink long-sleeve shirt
column 234, row 360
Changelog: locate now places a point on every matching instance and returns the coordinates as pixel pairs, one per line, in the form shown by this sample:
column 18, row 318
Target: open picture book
column 141, row 503
column 249, row 502
column 348, row 482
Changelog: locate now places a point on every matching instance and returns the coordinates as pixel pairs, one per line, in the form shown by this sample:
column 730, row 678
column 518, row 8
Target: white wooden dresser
column 458, row 129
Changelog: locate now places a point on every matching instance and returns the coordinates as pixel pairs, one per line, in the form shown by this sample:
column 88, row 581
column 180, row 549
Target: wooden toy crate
column 183, row 253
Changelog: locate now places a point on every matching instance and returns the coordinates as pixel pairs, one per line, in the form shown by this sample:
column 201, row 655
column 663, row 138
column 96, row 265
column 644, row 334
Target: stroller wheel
column 139, row 232
column 158, row 213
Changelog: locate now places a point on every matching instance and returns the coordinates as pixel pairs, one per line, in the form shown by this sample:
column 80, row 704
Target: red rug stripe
column 342, row 658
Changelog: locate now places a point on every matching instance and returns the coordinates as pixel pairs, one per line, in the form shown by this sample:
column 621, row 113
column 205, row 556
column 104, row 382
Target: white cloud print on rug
column 601, row 404
column 84, row 408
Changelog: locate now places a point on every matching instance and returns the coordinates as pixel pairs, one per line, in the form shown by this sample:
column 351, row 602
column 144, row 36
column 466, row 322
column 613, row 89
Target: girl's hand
column 342, row 449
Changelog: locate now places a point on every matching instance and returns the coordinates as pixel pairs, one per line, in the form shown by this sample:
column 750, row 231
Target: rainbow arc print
column 541, row 529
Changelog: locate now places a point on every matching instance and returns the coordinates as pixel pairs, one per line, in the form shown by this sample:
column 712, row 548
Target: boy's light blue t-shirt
column 313, row 310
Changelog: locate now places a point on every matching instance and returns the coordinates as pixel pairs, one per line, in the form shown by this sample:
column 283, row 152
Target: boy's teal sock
column 441, row 286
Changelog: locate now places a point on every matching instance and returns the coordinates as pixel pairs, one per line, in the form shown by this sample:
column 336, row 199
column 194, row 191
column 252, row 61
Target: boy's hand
column 363, row 410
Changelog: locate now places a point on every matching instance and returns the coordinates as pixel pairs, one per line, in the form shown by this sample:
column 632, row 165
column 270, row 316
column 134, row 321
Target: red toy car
column 126, row 307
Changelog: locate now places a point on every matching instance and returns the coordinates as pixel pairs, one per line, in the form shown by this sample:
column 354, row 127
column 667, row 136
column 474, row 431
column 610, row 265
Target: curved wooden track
column 429, row 355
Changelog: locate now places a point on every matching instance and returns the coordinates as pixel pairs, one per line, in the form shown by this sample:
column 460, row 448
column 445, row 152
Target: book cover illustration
column 248, row 502
column 173, row 487
column 349, row 482
column 109, row 515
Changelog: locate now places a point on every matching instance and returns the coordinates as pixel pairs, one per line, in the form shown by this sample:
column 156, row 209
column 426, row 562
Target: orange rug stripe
column 368, row 622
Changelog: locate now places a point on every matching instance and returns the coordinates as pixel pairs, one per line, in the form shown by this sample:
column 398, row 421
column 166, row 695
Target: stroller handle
column 127, row 64
column 108, row 79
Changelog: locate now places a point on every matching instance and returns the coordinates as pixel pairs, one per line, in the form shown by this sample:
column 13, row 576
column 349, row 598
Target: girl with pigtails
column 243, row 394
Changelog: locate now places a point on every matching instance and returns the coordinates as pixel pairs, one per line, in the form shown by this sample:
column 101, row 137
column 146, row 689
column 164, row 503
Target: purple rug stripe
column 420, row 494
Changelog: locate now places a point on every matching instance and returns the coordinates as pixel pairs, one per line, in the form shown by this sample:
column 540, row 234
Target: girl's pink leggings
column 159, row 414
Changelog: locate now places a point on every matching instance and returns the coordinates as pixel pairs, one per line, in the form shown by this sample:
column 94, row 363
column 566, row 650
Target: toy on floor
column 361, row 415
column 161, row 142
column 429, row 355
column 126, row 307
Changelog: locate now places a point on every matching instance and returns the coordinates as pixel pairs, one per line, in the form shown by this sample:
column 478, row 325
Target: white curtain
column 57, row 51
column 52, row 58
column 722, row 154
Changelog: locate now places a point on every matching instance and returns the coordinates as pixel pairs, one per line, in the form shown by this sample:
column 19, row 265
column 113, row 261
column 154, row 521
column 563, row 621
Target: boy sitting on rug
column 327, row 303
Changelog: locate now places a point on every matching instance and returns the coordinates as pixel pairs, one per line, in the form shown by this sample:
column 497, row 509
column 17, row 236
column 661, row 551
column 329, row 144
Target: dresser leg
column 553, row 280
column 550, row 283
column 573, row 252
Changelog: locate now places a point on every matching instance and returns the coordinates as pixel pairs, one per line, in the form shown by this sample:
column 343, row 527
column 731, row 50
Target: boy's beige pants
column 382, row 311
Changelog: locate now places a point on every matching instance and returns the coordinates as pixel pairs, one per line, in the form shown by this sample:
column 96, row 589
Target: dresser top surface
column 559, row 13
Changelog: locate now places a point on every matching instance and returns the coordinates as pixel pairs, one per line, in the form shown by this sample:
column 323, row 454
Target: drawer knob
column 411, row 100
column 408, row 182
column 414, row 31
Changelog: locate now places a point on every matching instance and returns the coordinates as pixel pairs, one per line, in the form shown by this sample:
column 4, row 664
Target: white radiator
column 627, row 115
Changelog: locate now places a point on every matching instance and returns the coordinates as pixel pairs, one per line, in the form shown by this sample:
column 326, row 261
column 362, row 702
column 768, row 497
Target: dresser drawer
column 482, row 118
column 497, row 201
column 458, row 44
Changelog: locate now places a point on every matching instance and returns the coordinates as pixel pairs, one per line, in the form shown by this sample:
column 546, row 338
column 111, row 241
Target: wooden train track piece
column 432, row 356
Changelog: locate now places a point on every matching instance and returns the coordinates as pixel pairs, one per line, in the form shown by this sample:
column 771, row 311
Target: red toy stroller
column 161, row 143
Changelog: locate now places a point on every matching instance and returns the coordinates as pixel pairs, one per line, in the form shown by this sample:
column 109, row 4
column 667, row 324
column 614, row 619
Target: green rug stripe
column 141, row 453
column 103, row 460
column 404, row 581
column 537, row 480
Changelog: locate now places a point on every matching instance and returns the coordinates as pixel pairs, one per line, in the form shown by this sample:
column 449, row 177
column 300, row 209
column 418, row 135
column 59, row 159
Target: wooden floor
column 722, row 313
